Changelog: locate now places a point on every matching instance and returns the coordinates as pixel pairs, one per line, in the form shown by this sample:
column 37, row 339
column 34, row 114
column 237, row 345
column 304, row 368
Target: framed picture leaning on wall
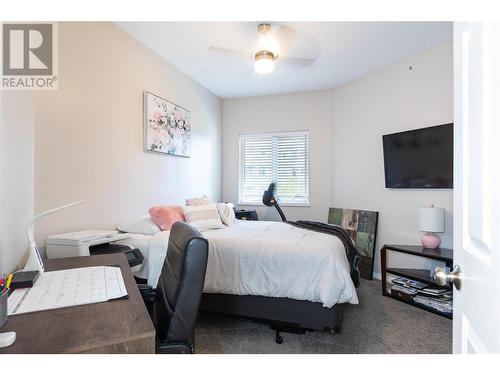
column 362, row 228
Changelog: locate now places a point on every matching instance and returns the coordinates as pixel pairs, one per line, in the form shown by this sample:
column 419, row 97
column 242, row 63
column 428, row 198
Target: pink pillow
column 166, row 216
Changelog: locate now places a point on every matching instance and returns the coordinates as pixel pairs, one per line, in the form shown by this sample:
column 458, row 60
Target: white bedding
column 268, row 258
column 154, row 249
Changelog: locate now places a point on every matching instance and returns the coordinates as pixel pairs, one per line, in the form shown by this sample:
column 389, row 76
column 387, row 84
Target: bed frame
column 283, row 314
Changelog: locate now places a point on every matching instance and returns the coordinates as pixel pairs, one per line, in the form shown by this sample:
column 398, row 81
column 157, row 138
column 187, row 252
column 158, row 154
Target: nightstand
column 246, row 215
column 422, row 275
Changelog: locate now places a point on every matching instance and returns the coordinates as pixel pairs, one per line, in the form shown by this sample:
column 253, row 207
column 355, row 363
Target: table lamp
column 431, row 221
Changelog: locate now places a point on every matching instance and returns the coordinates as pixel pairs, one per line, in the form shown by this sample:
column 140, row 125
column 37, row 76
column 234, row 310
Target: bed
column 290, row 277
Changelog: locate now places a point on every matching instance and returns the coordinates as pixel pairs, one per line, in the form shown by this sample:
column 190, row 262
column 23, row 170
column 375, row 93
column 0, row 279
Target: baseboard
column 377, row 275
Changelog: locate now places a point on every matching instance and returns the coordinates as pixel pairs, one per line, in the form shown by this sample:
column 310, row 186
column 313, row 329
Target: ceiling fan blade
column 296, row 60
column 229, row 51
column 286, row 35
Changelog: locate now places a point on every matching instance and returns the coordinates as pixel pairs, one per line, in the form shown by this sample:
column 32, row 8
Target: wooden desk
column 121, row 326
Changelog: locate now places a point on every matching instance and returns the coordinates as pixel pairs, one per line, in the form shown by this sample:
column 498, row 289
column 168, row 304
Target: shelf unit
column 422, row 275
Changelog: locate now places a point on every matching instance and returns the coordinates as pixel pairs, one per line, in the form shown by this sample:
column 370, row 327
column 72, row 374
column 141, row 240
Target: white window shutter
column 256, row 167
column 282, row 158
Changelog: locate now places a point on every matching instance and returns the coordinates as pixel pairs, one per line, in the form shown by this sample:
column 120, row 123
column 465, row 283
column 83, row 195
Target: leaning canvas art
column 362, row 227
column 167, row 126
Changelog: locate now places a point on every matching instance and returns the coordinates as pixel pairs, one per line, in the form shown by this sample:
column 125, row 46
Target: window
column 282, row 158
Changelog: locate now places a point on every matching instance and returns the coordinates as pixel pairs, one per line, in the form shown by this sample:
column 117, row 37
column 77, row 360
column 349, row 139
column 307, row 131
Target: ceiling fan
column 269, row 48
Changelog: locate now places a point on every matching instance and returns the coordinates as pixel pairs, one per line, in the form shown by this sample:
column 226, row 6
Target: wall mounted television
column 419, row 159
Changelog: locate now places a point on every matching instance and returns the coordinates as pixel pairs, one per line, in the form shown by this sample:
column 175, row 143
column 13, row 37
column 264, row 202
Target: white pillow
column 203, row 217
column 226, row 213
column 141, row 225
column 198, row 201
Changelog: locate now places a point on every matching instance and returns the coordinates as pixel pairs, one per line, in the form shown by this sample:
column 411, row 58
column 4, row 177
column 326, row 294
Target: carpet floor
column 377, row 325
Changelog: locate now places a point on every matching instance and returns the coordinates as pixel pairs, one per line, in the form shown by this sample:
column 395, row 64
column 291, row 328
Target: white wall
column 17, row 133
column 304, row 111
column 390, row 100
column 347, row 124
column 89, row 133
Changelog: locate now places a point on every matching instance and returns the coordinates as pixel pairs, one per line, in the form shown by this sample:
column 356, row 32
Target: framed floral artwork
column 167, row 127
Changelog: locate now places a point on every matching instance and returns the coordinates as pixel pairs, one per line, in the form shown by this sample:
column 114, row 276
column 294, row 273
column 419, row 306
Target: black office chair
column 176, row 300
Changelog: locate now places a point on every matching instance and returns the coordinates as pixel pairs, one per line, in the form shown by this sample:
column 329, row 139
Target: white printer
column 79, row 243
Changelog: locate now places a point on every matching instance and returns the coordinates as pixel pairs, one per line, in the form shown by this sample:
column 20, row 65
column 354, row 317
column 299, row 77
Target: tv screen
column 419, row 159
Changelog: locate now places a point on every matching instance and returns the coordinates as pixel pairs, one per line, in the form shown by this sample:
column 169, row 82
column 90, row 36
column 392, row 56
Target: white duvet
column 271, row 259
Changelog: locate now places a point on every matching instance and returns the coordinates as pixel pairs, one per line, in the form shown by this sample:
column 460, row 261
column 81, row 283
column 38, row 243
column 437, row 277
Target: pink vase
column 431, row 240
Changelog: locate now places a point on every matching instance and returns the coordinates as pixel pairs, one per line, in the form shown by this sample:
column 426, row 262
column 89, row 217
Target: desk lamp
column 270, row 200
column 35, row 262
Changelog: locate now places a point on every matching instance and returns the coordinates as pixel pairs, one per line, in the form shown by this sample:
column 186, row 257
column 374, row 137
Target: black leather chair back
column 180, row 287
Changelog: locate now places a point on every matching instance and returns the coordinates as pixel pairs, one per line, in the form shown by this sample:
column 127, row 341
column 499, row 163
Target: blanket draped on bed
column 341, row 233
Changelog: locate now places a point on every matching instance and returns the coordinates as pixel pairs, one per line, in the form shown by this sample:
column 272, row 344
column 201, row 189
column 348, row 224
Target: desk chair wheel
column 286, row 328
column 279, row 338
column 335, row 330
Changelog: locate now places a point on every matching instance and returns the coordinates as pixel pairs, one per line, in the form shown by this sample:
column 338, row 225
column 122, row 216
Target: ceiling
column 343, row 51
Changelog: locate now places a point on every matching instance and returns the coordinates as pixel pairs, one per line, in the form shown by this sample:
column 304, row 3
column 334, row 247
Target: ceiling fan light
column 264, row 62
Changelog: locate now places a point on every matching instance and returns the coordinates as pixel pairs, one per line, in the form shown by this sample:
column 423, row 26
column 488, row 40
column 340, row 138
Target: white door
column 476, row 316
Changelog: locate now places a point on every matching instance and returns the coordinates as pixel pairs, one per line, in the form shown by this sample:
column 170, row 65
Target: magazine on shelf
column 434, row 291
column 404, row 289
column 410, row 283
column 440, row 304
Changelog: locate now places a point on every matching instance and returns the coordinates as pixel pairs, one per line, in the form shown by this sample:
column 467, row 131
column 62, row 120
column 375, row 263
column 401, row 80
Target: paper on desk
column 77, row 286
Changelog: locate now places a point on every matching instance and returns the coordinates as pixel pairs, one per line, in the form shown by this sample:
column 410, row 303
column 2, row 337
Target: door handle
column 443, row 277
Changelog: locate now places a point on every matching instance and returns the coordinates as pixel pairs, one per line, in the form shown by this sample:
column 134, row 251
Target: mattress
column 266, row 258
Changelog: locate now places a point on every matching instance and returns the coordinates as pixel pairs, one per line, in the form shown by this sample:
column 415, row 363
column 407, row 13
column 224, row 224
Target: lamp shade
column 431, row 219
column 264, row 62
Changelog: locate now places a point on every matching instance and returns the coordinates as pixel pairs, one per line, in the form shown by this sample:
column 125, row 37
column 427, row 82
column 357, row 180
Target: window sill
column 281, row 204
